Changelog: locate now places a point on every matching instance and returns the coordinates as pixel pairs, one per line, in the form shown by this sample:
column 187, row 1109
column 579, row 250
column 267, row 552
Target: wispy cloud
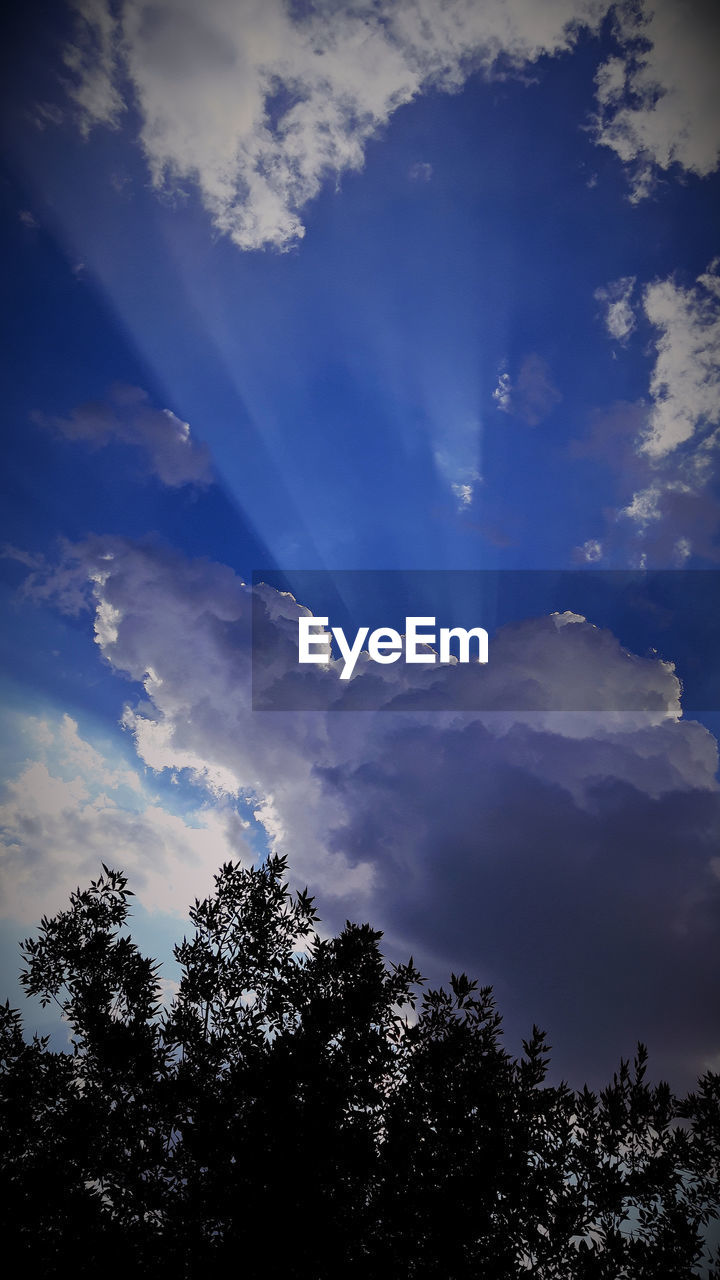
column 616, row 299
column 127, row 417
column 502, row 395
column 590, row 552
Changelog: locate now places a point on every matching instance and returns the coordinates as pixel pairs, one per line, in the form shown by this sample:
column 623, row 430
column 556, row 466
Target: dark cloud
column 570, row 859
column 598, row 919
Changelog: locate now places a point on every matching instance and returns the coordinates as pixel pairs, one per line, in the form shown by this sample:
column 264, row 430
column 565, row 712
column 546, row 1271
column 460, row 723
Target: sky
column 381, row 297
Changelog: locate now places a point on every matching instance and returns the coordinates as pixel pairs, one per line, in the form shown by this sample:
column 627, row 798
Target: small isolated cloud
column 532, row 395
column 590, row 552
column 658, row 99
column 618, row 311
column 28, row 219
column 260, row 102
column 461, row 475
column 682, row 551
column 464, row 494
column 170, row 451
column 458, row 433
column 421, row 172
column 502, row 395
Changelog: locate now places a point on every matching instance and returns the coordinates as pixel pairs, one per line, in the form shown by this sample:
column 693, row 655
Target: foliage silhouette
column 294, row 1113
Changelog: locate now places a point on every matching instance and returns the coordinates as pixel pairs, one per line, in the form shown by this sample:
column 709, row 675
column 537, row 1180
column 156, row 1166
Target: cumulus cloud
column 658, row 99
column 127, row 416
column 618, row 311
column 598, row 912
column 566, row 857
column 259, row 102
column 71, row 808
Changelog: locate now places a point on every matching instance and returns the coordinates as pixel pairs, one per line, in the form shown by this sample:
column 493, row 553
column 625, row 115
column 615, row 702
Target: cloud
column 464, row 494
column 502, row 395
column 590, row 552
column 171, row 452
column 93, row 62
column 420, row 172
column 532, row 396
column 664, row 449
column 260, row 102
column 457, row 453
column 563, row 856
column 685, row 382
column 619, row 314
column 71, row 808
column 658, row 100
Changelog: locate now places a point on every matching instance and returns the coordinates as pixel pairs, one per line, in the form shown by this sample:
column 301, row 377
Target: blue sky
column 370, row 287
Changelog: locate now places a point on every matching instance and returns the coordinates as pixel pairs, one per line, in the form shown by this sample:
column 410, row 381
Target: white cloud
column 591, row 551
column 72, row 808
column 659, row 100
column 172, row 454
column 502, row 395
column 665, row 448
column 645, row 506
column 685, row 382
column 259, row 102
column 464, row 494
column 93, row 63
column 619, row 314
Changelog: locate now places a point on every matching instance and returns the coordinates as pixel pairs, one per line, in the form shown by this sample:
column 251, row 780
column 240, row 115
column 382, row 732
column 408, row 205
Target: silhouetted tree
column 295, row 1114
